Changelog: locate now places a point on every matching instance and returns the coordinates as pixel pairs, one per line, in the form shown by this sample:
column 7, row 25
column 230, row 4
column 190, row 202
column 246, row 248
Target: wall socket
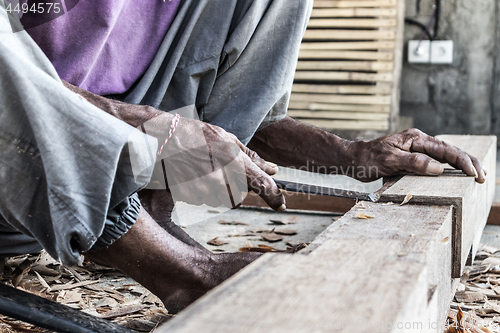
column 427, row 52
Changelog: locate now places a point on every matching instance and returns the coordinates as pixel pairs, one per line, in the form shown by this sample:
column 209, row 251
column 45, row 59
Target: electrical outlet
column 442, row 52
column 419, row 51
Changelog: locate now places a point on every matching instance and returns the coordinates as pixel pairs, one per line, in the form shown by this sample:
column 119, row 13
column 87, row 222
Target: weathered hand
column 206, row 165
column 411, row 151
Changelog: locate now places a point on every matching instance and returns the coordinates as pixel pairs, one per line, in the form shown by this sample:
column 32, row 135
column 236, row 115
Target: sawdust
column 94, row 289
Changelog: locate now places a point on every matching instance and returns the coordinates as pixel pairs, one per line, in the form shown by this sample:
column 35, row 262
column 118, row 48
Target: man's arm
column 291, row 143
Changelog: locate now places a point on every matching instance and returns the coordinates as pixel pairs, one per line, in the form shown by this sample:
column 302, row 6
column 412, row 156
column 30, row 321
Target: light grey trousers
column 65, row 166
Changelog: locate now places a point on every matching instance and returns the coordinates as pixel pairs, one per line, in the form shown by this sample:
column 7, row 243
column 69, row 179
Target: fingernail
column 483, row 174
column 435, row 168
column 475, row 173
column 282, row 208
column 272, row 165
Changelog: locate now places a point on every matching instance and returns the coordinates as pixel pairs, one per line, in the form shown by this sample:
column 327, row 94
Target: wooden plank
column 348, row 124
column 302, row 201
column 337, row 107
column 353, row 4
column 398, row 69
column 333, row 34
column 357, row 55
column 471, row 201
column 345, row 65
column 343, row 76
column 338, row 115
column 348, row 45
column 351, row 23
column 494, row 216
column 341, row 89
column 349, row 282
column 353, row 12
column 341, row 99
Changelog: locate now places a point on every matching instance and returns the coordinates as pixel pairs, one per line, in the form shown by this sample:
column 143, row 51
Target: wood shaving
column 364, row 216
column 232, row 222
column 271, row 237
column 406, row 199
column 217, row 242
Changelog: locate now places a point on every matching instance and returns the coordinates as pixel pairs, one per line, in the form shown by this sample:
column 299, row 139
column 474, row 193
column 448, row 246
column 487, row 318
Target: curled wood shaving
column 407, row 199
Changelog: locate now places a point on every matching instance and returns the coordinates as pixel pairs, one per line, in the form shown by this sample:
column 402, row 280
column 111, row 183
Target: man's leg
column 174, row 271
column 159, row 205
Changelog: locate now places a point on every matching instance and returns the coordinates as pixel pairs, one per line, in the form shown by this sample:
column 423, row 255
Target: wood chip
column 284, row 221
column 271, row 237
column 364, row 216
column 262, row 248
column 42, row 281
column 479, row 269
column 407, row 199
column 286, row 232
column 72, row 285
column 73, row 272
column 469, row 296
column 216, row 242
column 232, row 222
column 123, row 311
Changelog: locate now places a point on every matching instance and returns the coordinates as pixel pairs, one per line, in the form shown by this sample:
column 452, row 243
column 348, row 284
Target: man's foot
column 174, row 271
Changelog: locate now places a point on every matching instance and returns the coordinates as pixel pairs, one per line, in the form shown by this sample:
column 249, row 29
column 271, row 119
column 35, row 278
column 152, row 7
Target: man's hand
column 206, row 165
column 411, row 151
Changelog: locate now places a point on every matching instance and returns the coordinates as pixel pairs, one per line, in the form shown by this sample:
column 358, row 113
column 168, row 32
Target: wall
column 462, row 98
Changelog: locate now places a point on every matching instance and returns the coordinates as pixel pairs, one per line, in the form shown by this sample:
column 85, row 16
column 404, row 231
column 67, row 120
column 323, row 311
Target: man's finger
column 262, row 184
column 445, row 152
column 481, row 173
column 268, row 167
column 421, row 164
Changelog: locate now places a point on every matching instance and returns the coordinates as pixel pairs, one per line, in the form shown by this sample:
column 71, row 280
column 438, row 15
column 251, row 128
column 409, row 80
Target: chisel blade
column 328, row 191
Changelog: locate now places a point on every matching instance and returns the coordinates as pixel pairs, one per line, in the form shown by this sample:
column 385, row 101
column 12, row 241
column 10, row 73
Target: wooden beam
column 380, row 264
column 471, row 201
column 302, row 201
column 398, row 68
column 346, row 65
column 343, row 76
column 384, row 271
column 494, row 216
column 333, row 34
column 356, row 55
column 349, row 45
column 338, row 115
column 348, row 124
column 351, row 23
column 353, row 4
column 337, row 107
column 341, row 99
column 353, row 12
column 341, row 89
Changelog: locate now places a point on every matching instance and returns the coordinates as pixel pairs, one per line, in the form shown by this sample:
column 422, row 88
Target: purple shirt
column 104, row 46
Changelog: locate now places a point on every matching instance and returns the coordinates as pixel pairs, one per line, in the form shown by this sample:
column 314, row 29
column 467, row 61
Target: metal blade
column 320, row 190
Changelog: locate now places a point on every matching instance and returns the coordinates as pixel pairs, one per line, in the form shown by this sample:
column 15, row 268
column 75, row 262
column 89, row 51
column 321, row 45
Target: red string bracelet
column 175, row 122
